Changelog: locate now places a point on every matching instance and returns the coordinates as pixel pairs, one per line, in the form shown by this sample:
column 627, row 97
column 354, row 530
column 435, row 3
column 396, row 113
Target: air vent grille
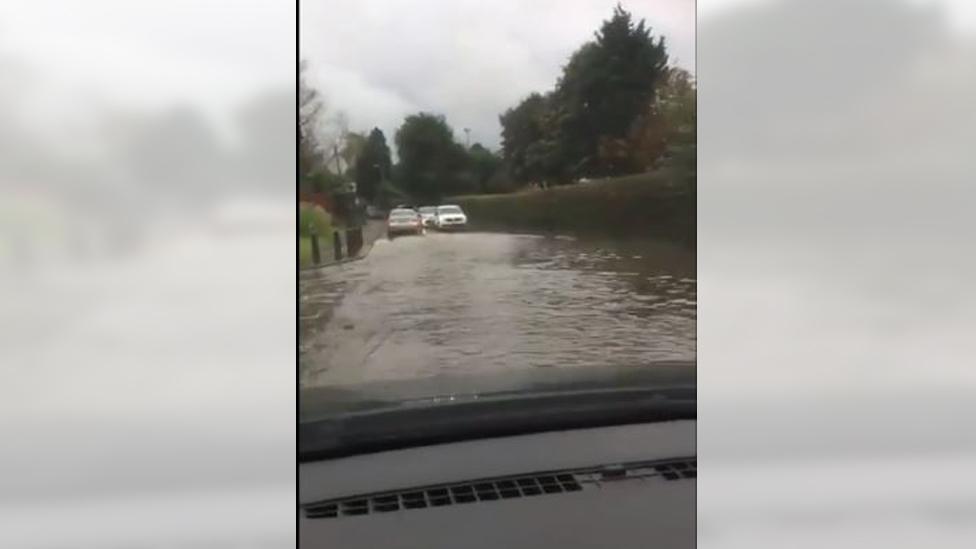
column 509, row 487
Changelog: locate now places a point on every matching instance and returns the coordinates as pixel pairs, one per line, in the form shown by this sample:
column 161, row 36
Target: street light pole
column 467, row 137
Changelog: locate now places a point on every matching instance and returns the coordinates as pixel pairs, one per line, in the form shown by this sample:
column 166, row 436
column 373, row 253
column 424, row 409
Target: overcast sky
column 378, row 60
column 467, row 59
column 148, row 55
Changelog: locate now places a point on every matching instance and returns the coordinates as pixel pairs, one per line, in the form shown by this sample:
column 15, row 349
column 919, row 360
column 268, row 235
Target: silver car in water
column 404, row 221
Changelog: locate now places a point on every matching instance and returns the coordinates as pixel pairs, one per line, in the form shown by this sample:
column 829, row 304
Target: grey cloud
column 467, row 60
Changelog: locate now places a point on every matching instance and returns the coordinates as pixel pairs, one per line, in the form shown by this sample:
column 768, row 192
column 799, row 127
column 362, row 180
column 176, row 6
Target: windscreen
column 530, row 271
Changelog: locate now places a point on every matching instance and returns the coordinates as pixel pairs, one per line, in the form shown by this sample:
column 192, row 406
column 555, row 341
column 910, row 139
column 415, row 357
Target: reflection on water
column 453, row 304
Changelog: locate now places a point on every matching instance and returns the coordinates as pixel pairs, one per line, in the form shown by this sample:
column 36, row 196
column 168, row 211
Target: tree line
column 618, row 108
column 431, row 163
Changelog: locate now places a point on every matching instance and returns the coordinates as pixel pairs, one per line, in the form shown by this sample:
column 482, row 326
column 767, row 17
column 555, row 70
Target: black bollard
column 350, row 242
column 316, row 255
column 354, row 241
column 337, row 245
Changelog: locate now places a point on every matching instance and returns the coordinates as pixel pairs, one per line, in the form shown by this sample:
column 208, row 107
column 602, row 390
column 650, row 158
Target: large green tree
column 604, row 90
column 523, row 131
column 373, row 165
column 432, row 164
column 605, row 87
column 668, row 123
column 483, row 165
column 678, row 106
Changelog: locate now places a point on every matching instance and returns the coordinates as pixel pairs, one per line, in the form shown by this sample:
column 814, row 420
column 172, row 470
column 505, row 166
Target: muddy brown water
column 484, row 302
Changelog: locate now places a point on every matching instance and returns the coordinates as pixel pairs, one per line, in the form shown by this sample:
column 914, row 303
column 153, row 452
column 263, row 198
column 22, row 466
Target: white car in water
column 428, row 214
column 450, row 216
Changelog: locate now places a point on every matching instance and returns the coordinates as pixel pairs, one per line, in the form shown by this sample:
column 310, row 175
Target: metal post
column 336, row 245
column 316, row 255
column 354, row 240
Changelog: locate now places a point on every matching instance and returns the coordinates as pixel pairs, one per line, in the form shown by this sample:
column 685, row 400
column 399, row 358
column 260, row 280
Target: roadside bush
column 500, row 182
column 658, row 204
column 313, row 219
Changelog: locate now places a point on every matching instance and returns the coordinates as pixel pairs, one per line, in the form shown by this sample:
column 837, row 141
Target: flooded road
column 483, row 302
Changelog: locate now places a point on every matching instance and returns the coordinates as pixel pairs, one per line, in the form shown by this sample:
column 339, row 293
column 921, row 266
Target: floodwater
column 484, row 302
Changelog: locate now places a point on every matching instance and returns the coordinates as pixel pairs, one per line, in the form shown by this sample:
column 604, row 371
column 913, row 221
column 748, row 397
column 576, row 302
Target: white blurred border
column 147, row 274
column 836, row 310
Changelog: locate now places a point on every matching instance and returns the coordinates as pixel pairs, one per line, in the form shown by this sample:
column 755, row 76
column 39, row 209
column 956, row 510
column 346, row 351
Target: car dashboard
column 611, row 486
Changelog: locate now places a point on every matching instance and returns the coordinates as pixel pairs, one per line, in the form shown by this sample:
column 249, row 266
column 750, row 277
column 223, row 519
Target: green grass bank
column 659, row 204
column 304, row 251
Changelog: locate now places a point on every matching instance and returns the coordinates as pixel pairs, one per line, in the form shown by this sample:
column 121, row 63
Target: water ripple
column 483, row 302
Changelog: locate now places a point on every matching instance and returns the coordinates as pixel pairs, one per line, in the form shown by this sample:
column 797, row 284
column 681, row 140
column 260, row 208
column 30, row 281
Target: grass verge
column 661, row 204
column 304, row 251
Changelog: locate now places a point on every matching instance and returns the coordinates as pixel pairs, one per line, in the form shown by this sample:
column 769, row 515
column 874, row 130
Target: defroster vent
column 498, row 488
